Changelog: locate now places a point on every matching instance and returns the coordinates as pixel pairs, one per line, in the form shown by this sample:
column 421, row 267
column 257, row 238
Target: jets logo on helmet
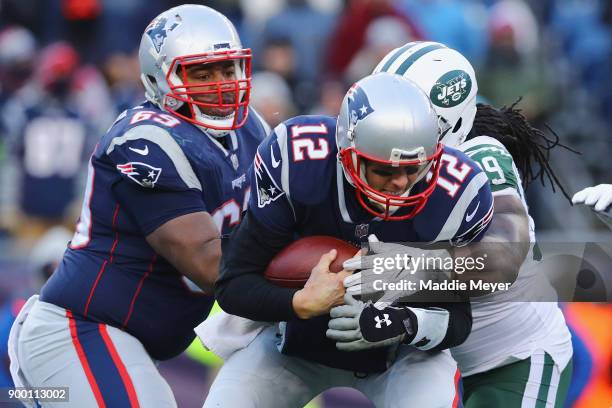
column 158, row 32
column 451, row 89
column 446, row 76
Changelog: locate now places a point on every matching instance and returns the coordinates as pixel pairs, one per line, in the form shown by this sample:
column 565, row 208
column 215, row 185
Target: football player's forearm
column 252, row 297
column 191, row 244
column 198, row 262
column 241, row 288
column 436, row 326
column 459, row 325
column 504, row 254
column 504, row 246
column 203, row 268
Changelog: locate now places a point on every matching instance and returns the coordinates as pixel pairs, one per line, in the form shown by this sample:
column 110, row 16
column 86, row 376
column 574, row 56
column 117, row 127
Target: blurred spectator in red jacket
column 349, row 35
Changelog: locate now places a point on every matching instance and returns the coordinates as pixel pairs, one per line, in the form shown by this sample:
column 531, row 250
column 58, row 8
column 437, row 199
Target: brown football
column 291, row 267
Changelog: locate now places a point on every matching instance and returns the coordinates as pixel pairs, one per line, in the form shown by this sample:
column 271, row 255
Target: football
column 291, row 267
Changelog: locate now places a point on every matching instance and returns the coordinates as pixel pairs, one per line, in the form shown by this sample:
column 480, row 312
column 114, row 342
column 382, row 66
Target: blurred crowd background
column 69, row 67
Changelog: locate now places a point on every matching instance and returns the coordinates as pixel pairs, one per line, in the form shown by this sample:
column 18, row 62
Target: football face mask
column 215, row 85
column 385, row 202
column 387, row 122
column 174, row 45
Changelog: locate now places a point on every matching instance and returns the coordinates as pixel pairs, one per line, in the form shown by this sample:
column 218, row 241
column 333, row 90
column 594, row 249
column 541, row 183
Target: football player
column 518, row 353
column 165, row 181
column 599, row 198
column 377, row 169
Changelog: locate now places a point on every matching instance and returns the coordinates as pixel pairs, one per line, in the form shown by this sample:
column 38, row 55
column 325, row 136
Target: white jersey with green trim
column 504, row 178
column 506, row 327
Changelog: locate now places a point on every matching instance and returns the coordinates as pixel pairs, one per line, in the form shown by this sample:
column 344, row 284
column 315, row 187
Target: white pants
column 101, row 365
column 259, row 376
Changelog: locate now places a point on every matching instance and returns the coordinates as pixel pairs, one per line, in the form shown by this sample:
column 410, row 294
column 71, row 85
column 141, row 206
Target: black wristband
column 378, row 325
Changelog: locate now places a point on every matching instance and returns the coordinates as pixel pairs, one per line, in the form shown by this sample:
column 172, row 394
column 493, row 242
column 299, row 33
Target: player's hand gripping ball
column 291, row 267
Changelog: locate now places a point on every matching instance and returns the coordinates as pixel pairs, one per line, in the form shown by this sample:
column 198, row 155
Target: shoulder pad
column 147, row 114
column 461, row 202
column 299, row 157
column 497, row 163
column 149, row 156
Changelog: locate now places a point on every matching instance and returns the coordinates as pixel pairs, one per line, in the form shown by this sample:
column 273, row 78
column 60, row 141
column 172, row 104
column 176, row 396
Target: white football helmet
column 445, row 75
column 190, row 35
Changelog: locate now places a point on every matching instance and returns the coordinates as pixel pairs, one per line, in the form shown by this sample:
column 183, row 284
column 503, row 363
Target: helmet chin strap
column 213, row 132
column 200, row 117
column 454, row 139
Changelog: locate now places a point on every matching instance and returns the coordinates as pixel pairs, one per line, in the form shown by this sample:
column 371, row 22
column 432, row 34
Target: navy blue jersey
column 51, row 144
column 300, row 190
column 300, row 187
column 149, row 168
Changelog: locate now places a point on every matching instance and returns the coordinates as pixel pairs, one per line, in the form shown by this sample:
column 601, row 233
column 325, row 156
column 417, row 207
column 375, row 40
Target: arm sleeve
column 241, row 288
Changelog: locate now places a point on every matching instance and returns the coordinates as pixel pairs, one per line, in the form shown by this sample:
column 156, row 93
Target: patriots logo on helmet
column 267, row 189
column 158, row 32
column 358, row 104
column 142, row 173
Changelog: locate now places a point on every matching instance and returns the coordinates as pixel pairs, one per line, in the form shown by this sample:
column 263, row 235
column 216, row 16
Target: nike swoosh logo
column 468, row 217
column 143, row 152
column 275, row 162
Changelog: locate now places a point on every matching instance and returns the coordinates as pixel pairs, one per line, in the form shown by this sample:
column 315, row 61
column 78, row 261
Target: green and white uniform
column 509, row 331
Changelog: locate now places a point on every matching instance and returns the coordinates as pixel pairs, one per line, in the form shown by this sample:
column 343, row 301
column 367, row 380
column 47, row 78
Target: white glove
column 599, row 198
column 408, row 269
column 358, row 326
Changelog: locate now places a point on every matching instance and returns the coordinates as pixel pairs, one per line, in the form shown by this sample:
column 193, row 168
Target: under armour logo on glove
column 380, row 321
column 360, row 326
column 382, row 324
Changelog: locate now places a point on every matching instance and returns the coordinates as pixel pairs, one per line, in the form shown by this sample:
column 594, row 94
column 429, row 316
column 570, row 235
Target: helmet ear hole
column 178, row 71
column 151, row 79
column 457, row 125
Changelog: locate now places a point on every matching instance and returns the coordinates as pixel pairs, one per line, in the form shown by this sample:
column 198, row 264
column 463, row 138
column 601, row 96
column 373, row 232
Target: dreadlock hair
column 526, row 144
